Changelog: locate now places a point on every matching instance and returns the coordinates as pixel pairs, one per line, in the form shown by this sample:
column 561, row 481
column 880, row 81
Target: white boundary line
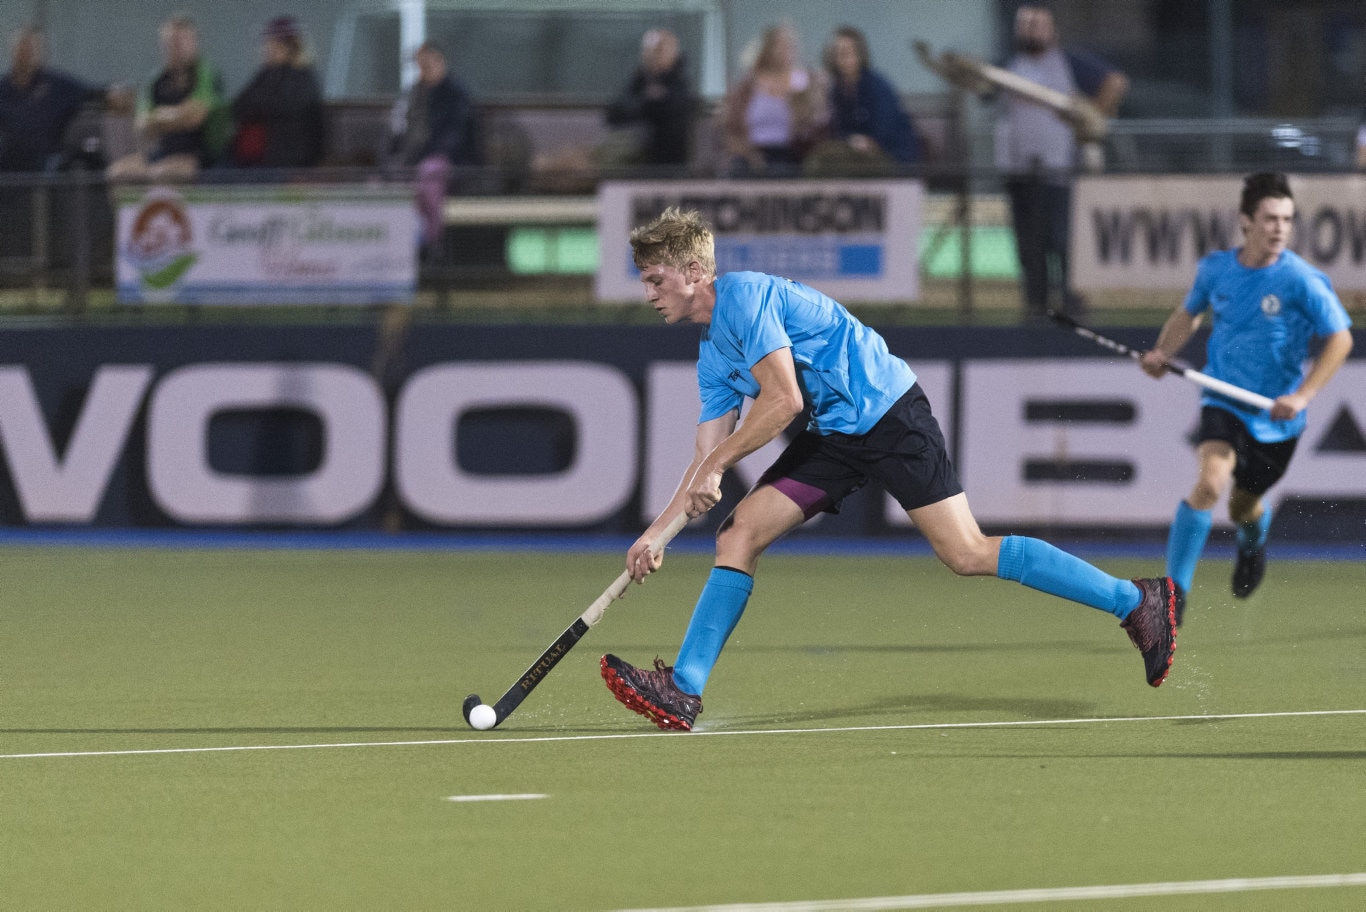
column 929, row 726
column 466, row 799
column 1053, row 894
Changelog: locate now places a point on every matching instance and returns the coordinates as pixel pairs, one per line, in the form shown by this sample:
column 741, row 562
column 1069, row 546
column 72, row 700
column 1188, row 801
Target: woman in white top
column 777, row 111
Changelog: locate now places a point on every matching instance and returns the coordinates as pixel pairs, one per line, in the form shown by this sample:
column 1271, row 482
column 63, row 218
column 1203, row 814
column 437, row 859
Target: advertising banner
column 583, row 428
column 853, row 240
column 266, row 244
column 1149, row 232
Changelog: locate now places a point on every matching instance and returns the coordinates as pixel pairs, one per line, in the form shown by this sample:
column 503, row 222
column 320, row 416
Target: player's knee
column 958, row 566
column 1244, row 506
column 966, row 561
column 1204, row 495
column 735, row 537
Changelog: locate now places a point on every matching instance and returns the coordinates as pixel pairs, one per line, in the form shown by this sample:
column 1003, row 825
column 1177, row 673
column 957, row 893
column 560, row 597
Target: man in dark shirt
column 182, row 117
column 279, row 113
column 659, row 98
column 438, row 134
column 37, row 106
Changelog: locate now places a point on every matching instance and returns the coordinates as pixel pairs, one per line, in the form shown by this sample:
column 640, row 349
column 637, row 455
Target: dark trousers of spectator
column 1041, row 213
column 65, row 215
column 16, row 228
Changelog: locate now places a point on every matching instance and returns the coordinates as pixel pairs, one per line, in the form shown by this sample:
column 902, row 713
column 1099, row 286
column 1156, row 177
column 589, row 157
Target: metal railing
column 57, row 229
column 1201, row 146
column 55, row 236
column 58, row 233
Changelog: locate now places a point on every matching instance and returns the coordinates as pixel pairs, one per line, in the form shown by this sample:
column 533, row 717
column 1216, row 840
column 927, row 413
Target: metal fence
column 1200, row 146
column 57, row 229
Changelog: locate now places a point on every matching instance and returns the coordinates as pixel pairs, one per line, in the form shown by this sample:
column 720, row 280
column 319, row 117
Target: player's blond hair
column 676, row 238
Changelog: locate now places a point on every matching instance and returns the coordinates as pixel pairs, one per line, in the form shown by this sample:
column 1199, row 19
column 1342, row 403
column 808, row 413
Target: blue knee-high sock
column 1252, row 535
column 1185, row 541
column 1039, row 565
column 718, row 610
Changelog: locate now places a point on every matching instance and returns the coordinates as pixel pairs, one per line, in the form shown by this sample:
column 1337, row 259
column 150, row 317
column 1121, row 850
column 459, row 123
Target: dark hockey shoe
column 1152, row 625
column 653, row 694
column 1248, row 572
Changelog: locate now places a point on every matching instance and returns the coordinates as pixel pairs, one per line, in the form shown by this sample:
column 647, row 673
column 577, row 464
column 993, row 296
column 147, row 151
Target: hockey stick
column 971, row 74
column 1223, row 388
column 557, row 650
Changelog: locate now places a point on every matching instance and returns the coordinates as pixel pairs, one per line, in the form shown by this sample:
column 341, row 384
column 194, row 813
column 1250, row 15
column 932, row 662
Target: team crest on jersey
column 1271, row 305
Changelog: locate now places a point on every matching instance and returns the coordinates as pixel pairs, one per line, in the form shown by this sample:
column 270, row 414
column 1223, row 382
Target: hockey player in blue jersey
column 1267, row 306
column 790, row 348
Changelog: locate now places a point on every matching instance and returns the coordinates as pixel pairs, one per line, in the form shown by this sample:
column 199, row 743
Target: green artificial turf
column 877, row 728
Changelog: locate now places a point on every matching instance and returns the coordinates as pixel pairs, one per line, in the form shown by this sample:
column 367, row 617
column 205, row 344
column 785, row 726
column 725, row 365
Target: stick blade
column 470, row 703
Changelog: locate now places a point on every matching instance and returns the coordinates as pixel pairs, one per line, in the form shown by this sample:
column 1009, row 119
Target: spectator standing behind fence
column 777, row 111
column 1037, row 151
column 870, row 132
column 659, row 99
column 182, row 118
column 279, row 114
column 38, row 104
column 437, row 133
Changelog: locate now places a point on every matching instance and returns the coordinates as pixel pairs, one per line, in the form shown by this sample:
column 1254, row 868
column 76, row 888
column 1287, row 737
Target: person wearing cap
column 279, row 114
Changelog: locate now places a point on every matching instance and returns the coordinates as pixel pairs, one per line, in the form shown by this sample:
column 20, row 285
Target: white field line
column 466, row 799
column 758, row 732
column 1053, row 894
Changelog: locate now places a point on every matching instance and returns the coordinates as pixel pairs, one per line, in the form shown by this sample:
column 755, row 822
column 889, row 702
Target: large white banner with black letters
column 575, row 428
column 854, row 240
column 1149, row 232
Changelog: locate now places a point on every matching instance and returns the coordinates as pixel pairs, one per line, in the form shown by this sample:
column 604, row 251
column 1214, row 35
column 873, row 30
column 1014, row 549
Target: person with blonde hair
column 792, row 349
column 777, row 112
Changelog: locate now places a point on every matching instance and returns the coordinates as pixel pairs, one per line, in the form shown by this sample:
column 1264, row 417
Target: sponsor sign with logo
column 265, row 244
column 853, row 240
column 569, row 427
column 1150, row 232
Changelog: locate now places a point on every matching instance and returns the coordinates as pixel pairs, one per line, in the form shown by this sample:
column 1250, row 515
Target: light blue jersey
column 847, row 375
column 1263, row 321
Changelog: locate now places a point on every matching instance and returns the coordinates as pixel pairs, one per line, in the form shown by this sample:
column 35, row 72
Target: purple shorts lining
column 810, row 498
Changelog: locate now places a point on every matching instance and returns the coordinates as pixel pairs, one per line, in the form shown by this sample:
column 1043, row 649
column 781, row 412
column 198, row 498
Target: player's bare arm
column 1335, row 350
column 189, row 114
column 1175, row 333
column 720, row 444
column 641, row 560
column 778, row 403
